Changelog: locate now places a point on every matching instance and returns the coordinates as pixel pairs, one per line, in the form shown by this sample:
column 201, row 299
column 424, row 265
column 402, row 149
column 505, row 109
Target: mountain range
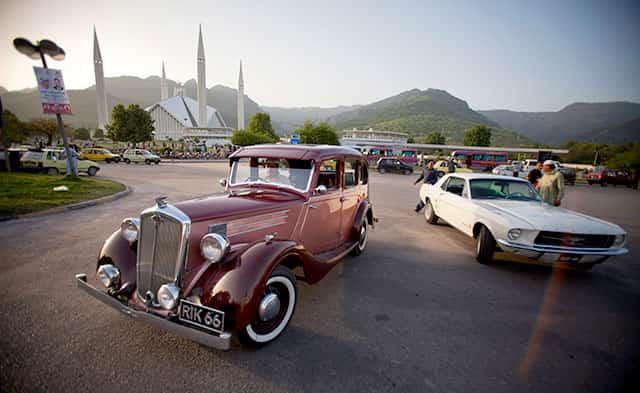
column 416, row 112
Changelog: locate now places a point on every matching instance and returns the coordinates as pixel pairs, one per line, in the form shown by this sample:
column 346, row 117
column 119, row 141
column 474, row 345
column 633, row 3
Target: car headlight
column 168, row 295
column 619, row 240
column 514, row 234
column 129, row 229
column 109, row 275
column 213, row 247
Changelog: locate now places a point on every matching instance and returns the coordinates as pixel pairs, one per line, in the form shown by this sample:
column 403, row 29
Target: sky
column 526, row 56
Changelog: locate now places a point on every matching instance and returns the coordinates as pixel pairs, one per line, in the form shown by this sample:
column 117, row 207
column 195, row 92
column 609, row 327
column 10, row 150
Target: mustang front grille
column 162, row 245
column 574, row 240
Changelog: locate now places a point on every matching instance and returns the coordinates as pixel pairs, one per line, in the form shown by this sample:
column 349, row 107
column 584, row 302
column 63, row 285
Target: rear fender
column 236, row 287
column 365, row 212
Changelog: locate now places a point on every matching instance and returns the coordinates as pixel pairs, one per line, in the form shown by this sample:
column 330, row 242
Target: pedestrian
column 551, row 184
column 517, row 168
column 451, row 165
column 430, row 176
column 535, row 174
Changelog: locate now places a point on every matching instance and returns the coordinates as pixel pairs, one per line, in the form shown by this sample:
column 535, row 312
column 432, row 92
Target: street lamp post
column 38, row 51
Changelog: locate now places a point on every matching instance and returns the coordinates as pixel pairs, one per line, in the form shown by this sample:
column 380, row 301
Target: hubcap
column 363, row 237
column 269, row 307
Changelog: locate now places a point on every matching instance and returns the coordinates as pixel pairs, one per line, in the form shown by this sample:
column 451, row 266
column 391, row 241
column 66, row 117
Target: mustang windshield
column 503, row 189
column 277, row 171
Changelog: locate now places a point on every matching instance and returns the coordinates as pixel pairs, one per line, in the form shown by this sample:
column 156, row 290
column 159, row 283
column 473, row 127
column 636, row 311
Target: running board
column 336, row 254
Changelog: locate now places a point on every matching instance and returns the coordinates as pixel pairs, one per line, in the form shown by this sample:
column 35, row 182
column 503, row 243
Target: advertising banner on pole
column 53, row 94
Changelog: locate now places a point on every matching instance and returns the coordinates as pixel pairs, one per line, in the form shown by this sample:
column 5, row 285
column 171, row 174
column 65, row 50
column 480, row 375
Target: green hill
column 419, row 112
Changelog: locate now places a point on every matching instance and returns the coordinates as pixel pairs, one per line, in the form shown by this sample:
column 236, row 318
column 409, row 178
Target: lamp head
column 26, row 47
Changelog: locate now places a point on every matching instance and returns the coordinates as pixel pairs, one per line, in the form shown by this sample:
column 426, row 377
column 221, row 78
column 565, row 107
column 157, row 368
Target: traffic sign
column 294, row 139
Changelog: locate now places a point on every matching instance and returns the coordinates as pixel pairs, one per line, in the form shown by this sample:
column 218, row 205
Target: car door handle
column 342, row 199
column 313, row 206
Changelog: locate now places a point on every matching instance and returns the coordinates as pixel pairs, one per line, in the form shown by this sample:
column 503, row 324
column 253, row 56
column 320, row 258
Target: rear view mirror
column 223, row 183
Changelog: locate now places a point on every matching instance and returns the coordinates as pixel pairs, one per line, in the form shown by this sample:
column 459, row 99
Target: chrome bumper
column 222, row 342
column 552, row 253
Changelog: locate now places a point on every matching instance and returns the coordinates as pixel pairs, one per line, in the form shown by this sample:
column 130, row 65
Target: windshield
column 278, row 171
column 146, row 152
column 503, row 189
column 408, row 154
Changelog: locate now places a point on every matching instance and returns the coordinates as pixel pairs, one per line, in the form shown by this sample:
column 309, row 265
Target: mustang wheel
column 485, row 246
column 430, row 214
column 362, row 241
column 274, row 311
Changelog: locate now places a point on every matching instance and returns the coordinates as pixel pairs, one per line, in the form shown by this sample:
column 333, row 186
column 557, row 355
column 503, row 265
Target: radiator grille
column 574, row 240
column 161, row 251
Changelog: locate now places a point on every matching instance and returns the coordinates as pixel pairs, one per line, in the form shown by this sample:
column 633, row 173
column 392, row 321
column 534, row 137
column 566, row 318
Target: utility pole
column 5, row 142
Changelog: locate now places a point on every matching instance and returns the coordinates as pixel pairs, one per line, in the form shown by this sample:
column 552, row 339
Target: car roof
column 474, row 176
column 297, row 152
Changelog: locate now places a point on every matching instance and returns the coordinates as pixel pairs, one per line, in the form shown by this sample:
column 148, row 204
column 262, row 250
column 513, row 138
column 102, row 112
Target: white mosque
column 179, row 117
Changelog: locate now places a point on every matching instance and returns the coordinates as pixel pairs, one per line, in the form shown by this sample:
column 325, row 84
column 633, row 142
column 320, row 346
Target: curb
column 74, row 206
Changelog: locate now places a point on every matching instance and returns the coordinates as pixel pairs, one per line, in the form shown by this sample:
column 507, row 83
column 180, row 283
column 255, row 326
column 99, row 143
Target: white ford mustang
column 507, row 214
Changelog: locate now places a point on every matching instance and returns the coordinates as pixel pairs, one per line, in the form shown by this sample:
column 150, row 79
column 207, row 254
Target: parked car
column 99, row 154
column 443, row 167
column 569, row 174
column 604, row 176
column 506, row 214
column 140, row 156
column 209, row 267
column 392, row 164
column 54, row 162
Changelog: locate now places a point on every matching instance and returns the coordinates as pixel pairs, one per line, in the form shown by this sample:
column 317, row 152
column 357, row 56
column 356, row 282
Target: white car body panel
column 531, row 217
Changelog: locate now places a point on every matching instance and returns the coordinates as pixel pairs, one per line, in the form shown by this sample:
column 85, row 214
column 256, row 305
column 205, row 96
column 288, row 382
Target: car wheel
column 92, row 171
column 430, row 213
column 381, row 171
column 107, row 160
column 603, row 183
column 485, row 246
column 407, row 172
column 148, row 162
column 127, row 161
column 157, row 162
column 362, row 240
column 53, row 172
column 274, row 310
column 590, row 182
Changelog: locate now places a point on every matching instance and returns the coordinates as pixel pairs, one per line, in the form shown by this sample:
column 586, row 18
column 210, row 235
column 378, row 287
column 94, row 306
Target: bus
column 481, row 160
column 376, row 153
column 409, row 156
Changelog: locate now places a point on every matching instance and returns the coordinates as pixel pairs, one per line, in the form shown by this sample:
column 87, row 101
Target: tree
column 82, row 134
column 248, row 138
column 435, row 138
column 131, row 124
column 13, row 129
column 411, row 139
column 98, row 133
column 478, row 136
column 46, row 127
column 261, row 122
column 321, row 134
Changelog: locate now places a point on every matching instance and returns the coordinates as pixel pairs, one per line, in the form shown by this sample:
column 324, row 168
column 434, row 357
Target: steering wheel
column 516, row 194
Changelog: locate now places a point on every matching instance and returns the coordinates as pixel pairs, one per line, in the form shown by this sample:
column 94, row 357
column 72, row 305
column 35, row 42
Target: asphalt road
column 414, row 313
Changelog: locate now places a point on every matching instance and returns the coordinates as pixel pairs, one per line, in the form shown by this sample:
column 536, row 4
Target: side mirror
column 223, row 182
column 320, row 190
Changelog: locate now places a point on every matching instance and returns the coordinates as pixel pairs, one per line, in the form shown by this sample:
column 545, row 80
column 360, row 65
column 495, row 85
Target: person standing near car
column 535, row 174
column 551, row 184
column 430, row 176
column 451, row 165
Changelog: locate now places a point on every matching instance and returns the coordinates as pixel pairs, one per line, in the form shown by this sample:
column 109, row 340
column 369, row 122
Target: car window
column 350, row 167
column 455, row 185
column 364, row 173
column 328, row 176
column 31, row 156
column 444, row 184
column 274, row 171
column 503, row 189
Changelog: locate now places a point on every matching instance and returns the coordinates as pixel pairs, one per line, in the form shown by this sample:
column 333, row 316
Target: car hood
column 541, row 216
column 220, row 206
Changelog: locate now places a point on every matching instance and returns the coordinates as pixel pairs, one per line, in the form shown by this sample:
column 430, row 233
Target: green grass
column 22, row 193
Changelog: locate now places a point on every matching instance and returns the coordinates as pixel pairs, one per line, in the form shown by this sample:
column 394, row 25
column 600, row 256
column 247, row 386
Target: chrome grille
column 162, row 245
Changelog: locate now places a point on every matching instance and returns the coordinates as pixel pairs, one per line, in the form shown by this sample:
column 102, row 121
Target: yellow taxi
column 99, row 154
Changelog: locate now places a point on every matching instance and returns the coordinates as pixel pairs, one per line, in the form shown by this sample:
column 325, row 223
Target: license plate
column 201, row 316
column 570, row 258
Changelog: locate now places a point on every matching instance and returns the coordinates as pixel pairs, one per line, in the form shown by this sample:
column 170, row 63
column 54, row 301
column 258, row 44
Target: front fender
column 118, row 252
column 235, row 288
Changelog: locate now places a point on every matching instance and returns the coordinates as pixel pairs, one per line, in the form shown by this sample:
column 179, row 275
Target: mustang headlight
column 514, row 234
column 109, row 275
column 213, row 247
column 130, row 228
column 619, row 240
column 168, row 295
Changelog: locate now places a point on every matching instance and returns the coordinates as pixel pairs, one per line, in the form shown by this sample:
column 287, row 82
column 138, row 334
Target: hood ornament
column 161, row 201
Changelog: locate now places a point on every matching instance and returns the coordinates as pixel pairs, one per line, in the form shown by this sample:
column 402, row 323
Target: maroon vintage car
column 228, row 263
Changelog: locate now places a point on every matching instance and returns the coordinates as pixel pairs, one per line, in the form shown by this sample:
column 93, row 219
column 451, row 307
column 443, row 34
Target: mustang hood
column 541, row 216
